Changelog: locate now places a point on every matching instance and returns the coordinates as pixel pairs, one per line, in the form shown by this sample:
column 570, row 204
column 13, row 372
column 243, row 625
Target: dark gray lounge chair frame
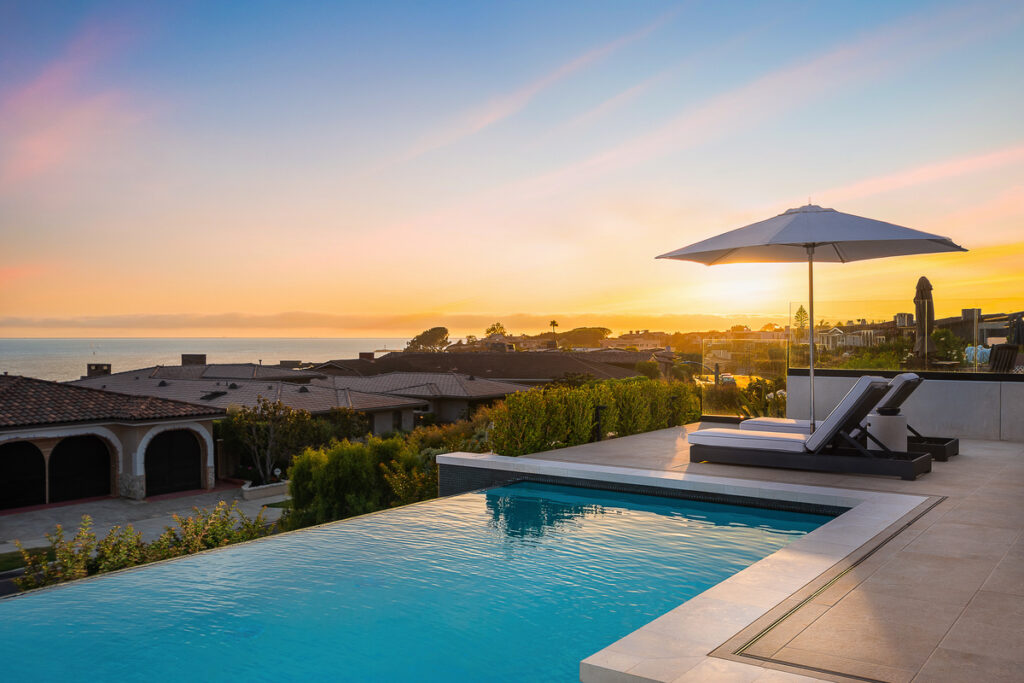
column 843, row 453
column 941, row 448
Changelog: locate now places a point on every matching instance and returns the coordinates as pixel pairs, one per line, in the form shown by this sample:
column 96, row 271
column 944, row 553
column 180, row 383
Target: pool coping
column 704, row 637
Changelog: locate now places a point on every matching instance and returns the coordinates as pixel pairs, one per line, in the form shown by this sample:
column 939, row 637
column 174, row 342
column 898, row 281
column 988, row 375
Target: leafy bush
column 345, row 479
column 648, row 368
column 557, row 416
column 123, row 547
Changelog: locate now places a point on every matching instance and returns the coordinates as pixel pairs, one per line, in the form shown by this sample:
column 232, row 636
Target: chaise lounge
column 900, row 388
column 838, row 445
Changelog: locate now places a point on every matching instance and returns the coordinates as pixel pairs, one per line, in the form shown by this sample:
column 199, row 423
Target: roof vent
column 232, row 386
column 163, row 383
column 212, row 395
column 270, row 386
column 303, row 389
column 472, row 378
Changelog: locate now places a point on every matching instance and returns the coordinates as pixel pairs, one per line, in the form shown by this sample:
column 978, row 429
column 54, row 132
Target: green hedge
column 554, row 417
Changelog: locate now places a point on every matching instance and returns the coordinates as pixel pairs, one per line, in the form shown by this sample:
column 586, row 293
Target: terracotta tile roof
column 26, row 401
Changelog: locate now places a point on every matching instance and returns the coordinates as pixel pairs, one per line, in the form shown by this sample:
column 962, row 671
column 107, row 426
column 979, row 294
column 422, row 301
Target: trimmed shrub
column 557, row 416
column 345, row 479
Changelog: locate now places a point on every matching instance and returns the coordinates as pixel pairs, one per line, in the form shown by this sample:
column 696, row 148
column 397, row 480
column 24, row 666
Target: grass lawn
column 12, row 560
column 286, row 504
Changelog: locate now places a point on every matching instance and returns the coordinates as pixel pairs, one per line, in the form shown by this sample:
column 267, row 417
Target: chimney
column 366, row 355
column 97, row 369
column 193, row 359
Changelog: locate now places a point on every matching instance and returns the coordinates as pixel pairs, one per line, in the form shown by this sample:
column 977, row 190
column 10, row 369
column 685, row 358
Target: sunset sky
column 372, row 169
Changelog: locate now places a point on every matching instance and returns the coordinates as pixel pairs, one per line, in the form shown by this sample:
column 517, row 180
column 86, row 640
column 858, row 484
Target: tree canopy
column 800, row 318
column 433, row 340
column 495, row 328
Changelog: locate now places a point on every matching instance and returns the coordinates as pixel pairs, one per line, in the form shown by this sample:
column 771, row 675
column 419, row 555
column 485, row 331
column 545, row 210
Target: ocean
column 66, row 359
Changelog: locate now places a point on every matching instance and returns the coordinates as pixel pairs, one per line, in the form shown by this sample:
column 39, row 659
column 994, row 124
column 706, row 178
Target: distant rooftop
column 426, row 384
column 223, row 393
column 526, row 367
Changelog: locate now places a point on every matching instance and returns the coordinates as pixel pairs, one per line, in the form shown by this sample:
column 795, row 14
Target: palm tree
column 554, row 336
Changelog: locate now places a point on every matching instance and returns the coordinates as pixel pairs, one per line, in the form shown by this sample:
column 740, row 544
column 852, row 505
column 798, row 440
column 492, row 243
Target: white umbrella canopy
column 811, row 233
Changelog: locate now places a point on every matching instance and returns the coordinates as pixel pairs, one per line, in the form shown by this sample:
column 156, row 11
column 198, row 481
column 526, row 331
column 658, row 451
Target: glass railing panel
column 910, row 336
column 744, row 376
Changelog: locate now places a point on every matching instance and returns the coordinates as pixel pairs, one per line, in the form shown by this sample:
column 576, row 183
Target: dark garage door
column 79, row 468
column 173, row 463
column 23, row 481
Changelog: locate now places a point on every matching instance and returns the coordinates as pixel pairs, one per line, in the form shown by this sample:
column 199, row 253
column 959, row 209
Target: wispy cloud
column 628, row 95
column 928, row 173
column 508, row 104
column 54, row 118
column 877, row 54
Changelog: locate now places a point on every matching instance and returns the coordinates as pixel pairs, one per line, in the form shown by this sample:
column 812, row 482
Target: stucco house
column 60, row 442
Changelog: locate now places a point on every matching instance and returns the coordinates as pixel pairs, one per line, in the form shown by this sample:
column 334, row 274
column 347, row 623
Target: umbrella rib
column 838, row 253
column 727, row 253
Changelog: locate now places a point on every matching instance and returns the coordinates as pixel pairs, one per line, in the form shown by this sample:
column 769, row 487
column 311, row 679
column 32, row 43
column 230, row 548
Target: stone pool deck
column 942, row 599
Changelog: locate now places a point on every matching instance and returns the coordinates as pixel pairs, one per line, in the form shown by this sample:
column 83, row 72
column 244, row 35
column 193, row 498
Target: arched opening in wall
column 23, row 478
column 174, row 462
column 79, row 468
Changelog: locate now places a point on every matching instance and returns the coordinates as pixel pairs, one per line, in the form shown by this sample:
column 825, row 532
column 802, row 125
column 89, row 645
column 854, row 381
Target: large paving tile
column 784, row 632
column 994, row 511
column 1007, row 577
column 990, row 626
column 844, row 665
column 964, row 540
column 890, row 630
column 933, row 578
column 950, row 666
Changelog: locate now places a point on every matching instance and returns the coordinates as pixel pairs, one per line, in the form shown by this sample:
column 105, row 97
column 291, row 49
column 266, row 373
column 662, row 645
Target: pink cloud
column 928, row 173
column 9, row 274
column 54, row 118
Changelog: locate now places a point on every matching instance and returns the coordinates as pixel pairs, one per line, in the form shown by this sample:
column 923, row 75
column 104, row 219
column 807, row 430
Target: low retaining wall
column 967, row 406
column 250, row 492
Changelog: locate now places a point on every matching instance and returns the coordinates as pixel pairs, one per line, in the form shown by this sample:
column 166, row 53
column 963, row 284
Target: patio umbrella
column 811, row 233
column 924, row 309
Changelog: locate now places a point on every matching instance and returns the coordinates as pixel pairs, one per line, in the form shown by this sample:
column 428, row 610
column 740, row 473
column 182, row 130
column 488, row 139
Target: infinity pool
column 517, row 583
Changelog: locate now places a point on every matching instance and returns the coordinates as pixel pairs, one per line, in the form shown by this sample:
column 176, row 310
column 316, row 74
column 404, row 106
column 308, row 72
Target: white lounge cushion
column 777, row 424
column 749, row 439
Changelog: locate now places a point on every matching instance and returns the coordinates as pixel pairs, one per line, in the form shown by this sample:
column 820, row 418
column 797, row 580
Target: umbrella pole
column 810, row 305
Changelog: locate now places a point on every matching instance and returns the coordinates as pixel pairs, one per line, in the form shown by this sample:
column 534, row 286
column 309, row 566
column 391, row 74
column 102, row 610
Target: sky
column 373, row 169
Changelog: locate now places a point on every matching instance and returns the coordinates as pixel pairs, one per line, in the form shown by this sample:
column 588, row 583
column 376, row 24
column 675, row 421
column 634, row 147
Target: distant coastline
column 63, row 359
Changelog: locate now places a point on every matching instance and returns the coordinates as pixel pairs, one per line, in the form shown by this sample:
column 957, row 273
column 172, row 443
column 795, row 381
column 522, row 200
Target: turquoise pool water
column 517, row 583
